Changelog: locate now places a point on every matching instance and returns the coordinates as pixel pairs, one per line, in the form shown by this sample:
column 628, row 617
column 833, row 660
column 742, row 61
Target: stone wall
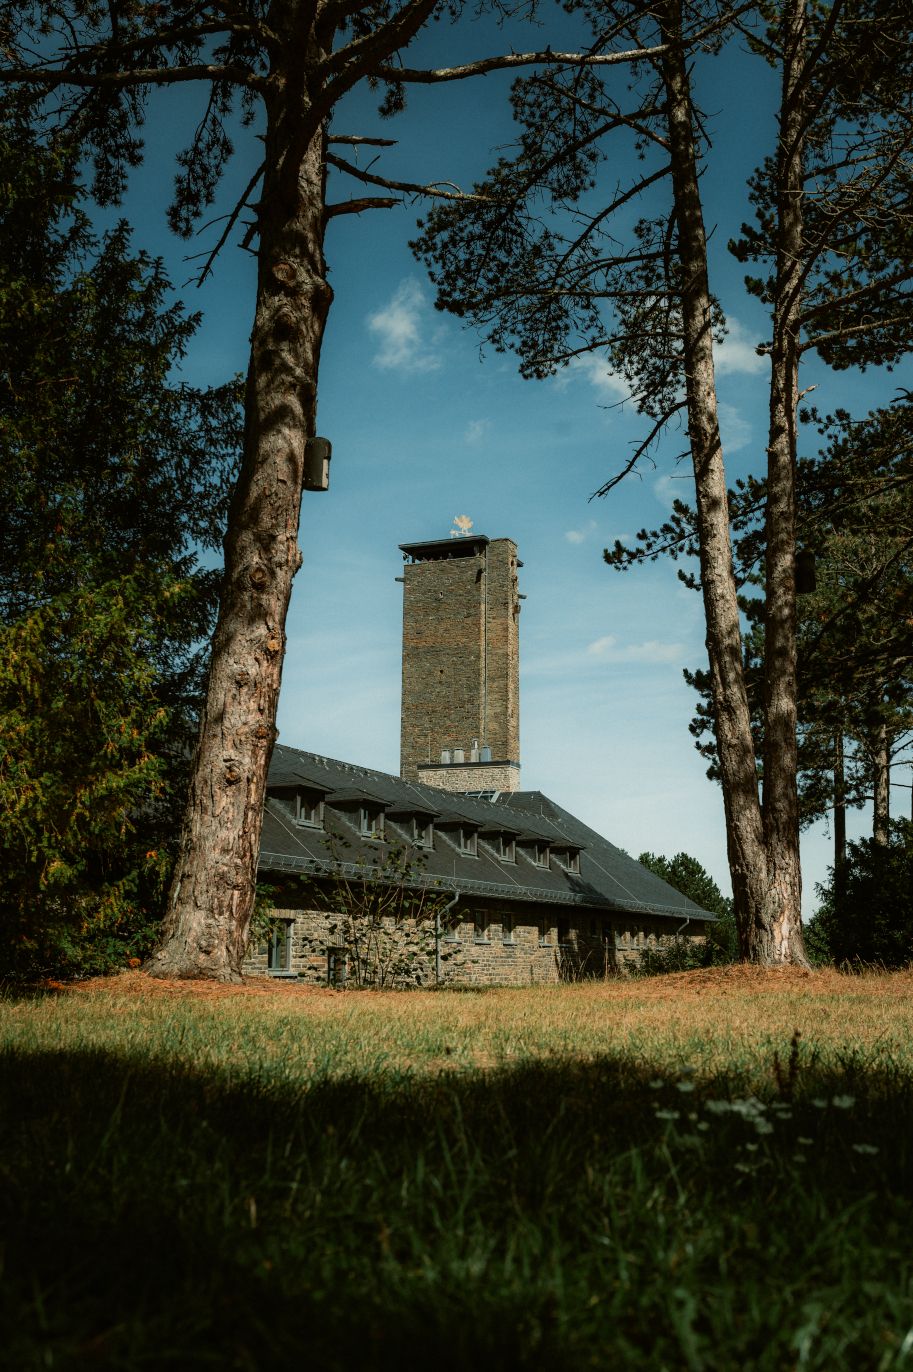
column 472, row 776
column 460, row 669
column 486, row 947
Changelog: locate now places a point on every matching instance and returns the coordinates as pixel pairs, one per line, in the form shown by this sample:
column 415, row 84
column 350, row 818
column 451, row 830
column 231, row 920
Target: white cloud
column 735, row 431
column 402, row 330
column 476, row 430
column 737, row 352
column 669, row 487
column 593, row 368
column 580, row 535
column 607, row 649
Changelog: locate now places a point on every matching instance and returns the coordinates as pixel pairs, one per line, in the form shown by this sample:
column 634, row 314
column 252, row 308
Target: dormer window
column 469, row 841
column 540, row 854
column 422, row 831
column 309, row 809
column 569, row 859
column 371, row 821
column 507, row 848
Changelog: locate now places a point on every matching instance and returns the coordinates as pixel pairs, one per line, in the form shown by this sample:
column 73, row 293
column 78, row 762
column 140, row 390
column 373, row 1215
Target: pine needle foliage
column 113, row 479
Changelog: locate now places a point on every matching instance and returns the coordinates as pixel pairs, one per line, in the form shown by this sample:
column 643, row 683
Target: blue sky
column 424, row 429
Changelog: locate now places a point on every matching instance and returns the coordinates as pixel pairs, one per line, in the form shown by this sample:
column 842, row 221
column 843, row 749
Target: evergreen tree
column 284, row 66
column 833, row 239
column 866, row 911
column 113, row 482
column 689, row 876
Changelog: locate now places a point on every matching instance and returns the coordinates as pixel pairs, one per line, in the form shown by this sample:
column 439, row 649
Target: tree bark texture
column 881, row 776
column 213, row 890
column 778, row 937
column 744, row 830
column 763, row 882
column 839, row 812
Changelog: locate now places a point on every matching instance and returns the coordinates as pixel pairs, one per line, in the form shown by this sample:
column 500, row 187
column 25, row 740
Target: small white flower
column 667, row 1114
column 751, row 1147
column 806, row 1143
column 843, row 1102
column 656, row 1084
column 763, row 1127
column 819, row 1103
column 703, row 1126
column 684, row 1086
column 868, row 1148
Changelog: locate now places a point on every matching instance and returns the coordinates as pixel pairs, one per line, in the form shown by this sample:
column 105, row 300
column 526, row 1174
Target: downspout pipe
column 442, row 910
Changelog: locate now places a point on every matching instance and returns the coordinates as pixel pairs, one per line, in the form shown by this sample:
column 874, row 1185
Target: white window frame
column 371, row 821
column 305, row 811
column 422, row 831
column 541, row 848
column 469, row 841
column 481, row 926
column 279, row 949
column 508, row 928
column 569, row 859
column 507, row 848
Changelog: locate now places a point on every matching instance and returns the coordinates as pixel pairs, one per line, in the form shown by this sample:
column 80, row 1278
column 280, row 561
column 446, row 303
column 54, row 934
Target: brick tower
column 461, row 664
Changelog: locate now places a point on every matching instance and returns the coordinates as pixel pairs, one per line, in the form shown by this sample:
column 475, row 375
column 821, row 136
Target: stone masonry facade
column 483, row 947
column 474, row 776
column 461, row 606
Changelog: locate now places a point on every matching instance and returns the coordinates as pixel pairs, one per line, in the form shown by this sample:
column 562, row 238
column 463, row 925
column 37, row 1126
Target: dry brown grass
column 706, row 1021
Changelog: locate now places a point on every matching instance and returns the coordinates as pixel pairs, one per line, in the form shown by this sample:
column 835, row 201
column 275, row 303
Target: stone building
column 450, row 873
column 461, row 664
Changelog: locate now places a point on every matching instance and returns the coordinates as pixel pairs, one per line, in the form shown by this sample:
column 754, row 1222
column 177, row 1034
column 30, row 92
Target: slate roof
column 608, row 880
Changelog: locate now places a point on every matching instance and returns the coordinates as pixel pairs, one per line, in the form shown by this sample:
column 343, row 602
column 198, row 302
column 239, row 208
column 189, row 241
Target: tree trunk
column 744, row 830
column 881, row 771
column 779, row 938
column 212, row 894
column 763, row 856
column 839, row 814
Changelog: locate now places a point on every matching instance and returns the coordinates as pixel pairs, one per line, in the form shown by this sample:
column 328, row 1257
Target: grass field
column 652, row 1174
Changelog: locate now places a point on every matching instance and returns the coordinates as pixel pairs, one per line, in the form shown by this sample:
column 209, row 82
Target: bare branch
column 359, row 206
column 509, row 61
column 52, row 78
column 355, row 141
column 232, row 220
column 640, row 450
column 409, row 187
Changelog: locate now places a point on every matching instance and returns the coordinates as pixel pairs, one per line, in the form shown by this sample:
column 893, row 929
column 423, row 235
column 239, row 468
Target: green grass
column 616, row 1178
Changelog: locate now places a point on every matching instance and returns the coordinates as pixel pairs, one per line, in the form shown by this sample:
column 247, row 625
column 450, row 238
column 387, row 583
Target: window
column 480, row 926
column 469, row 842
column 507, row 848
column 309, row 809
column 371, row 821
column 540, row 854
column 337, row 966
column 279, row 948
column 569, row 859
column 422, row 831
column 545, row 933
column 508, row 925
column 564, row 931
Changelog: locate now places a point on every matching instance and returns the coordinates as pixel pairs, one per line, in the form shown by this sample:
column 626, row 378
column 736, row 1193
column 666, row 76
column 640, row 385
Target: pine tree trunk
column 763, row 857
column 839, row 814
column 881, row 768
column 744, row 831
column 212, row 895
column 779, row 937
